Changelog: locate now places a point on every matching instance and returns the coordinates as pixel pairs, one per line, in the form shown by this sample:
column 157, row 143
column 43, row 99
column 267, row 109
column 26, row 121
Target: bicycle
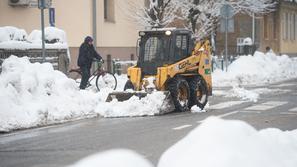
column 104, row 79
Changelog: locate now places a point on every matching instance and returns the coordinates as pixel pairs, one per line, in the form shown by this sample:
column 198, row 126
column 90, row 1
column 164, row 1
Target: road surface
column 64, row 144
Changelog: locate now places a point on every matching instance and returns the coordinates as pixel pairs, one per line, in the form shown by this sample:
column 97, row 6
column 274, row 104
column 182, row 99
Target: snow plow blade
column 166, row 107
column 123, row 96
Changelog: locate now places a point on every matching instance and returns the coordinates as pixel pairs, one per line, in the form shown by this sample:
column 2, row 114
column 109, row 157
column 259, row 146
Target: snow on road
column 114, row 158
column 35, row 95
column 215, row 143
column 254, row 70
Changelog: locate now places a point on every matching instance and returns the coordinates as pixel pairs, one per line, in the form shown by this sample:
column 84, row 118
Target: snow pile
column 258, row 69
column 114, row 158
column 14, row 38
column 220, row 143
column 215, row 143
column 149, row 105
column 35, row 95
column 196, row 109
column 243, row 94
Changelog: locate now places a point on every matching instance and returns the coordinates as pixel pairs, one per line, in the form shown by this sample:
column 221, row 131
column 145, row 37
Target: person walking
column 86, row 55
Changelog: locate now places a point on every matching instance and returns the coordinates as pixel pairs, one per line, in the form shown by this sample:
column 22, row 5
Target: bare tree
column 158, row 13
column 200, row 16
column 204, row 15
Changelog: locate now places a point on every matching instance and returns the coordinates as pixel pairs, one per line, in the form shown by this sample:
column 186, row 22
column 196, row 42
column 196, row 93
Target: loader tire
column 198, row 92
column 129, row 85
column 180, row 93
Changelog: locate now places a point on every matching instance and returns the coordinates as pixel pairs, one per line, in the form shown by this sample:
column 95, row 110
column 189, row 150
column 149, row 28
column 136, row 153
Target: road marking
column 225, row 104
column 293, row 109
column 222, row 115
column 266, row 106
column 288, row 113
column 182, row 127
column 284, row 85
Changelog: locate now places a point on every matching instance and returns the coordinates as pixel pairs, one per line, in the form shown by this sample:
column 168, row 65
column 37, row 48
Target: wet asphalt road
column 62, row 145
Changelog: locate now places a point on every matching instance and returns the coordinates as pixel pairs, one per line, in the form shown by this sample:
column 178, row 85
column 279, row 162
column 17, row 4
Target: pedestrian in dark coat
column 87, row 54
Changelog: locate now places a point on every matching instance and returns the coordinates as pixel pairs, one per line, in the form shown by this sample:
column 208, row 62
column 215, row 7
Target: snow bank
column 258, row 69
column 243, row 94
column 220, row 143
column 215, row 143
column 149, row 105
column 114, row 158
column 36, row 95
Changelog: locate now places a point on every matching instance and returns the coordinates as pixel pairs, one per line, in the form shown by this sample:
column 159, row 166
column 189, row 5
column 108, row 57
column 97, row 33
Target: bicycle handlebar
column 98, row 61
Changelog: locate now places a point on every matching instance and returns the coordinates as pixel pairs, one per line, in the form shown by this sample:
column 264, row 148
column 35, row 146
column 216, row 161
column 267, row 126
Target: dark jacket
column 86, row 55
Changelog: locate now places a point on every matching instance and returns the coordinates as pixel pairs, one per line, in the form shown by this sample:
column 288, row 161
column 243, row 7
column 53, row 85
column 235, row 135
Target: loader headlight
column 141, row 33
column 168, row 33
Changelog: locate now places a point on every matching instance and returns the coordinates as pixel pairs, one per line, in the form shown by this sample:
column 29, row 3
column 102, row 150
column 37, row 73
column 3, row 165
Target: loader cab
column 162, row 47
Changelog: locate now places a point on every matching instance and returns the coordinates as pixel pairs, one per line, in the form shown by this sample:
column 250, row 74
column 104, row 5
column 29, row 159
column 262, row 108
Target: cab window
column 181, row 47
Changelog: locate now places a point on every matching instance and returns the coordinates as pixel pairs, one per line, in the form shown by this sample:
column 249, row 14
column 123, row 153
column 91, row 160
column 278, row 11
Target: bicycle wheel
column 106, row 80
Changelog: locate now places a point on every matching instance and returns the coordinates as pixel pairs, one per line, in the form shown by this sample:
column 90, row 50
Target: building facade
column 106, row 20
column 277, row 30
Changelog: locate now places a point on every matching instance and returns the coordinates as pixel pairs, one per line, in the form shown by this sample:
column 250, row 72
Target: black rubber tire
column 175, row 85
column 198, row 86
column 129, row 85
column 113, row 78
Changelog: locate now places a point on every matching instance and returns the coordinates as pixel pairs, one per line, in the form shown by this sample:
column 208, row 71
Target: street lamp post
column 227, row 13
column 42, row 33
column 43, row 4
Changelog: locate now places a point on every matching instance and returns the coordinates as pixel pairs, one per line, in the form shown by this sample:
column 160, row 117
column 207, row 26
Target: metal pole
column 95, row 29
column 254, row 27
column 43, row 35
column 95, row 23
column 226, row 43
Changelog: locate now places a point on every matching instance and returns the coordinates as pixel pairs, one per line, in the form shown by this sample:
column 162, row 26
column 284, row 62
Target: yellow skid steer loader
column 171, row 62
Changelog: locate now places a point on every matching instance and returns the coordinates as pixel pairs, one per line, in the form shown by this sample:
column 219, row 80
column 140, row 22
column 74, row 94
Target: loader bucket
column 166, row 107
column 123, row 96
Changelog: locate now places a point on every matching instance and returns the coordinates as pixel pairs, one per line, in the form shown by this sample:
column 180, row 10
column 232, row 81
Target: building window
column 266, row 27
column 287, row 26
column 109, row 10
column 291, row 26
column 147, row 3
column 284, row 26
column 274, row 25
column 295, row 28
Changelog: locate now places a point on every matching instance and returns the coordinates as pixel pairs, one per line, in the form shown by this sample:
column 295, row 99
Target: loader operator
column 87, row 54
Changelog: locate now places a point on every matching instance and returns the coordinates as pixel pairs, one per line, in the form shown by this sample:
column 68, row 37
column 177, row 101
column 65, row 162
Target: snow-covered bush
column 52, row 35
column 9, row 33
